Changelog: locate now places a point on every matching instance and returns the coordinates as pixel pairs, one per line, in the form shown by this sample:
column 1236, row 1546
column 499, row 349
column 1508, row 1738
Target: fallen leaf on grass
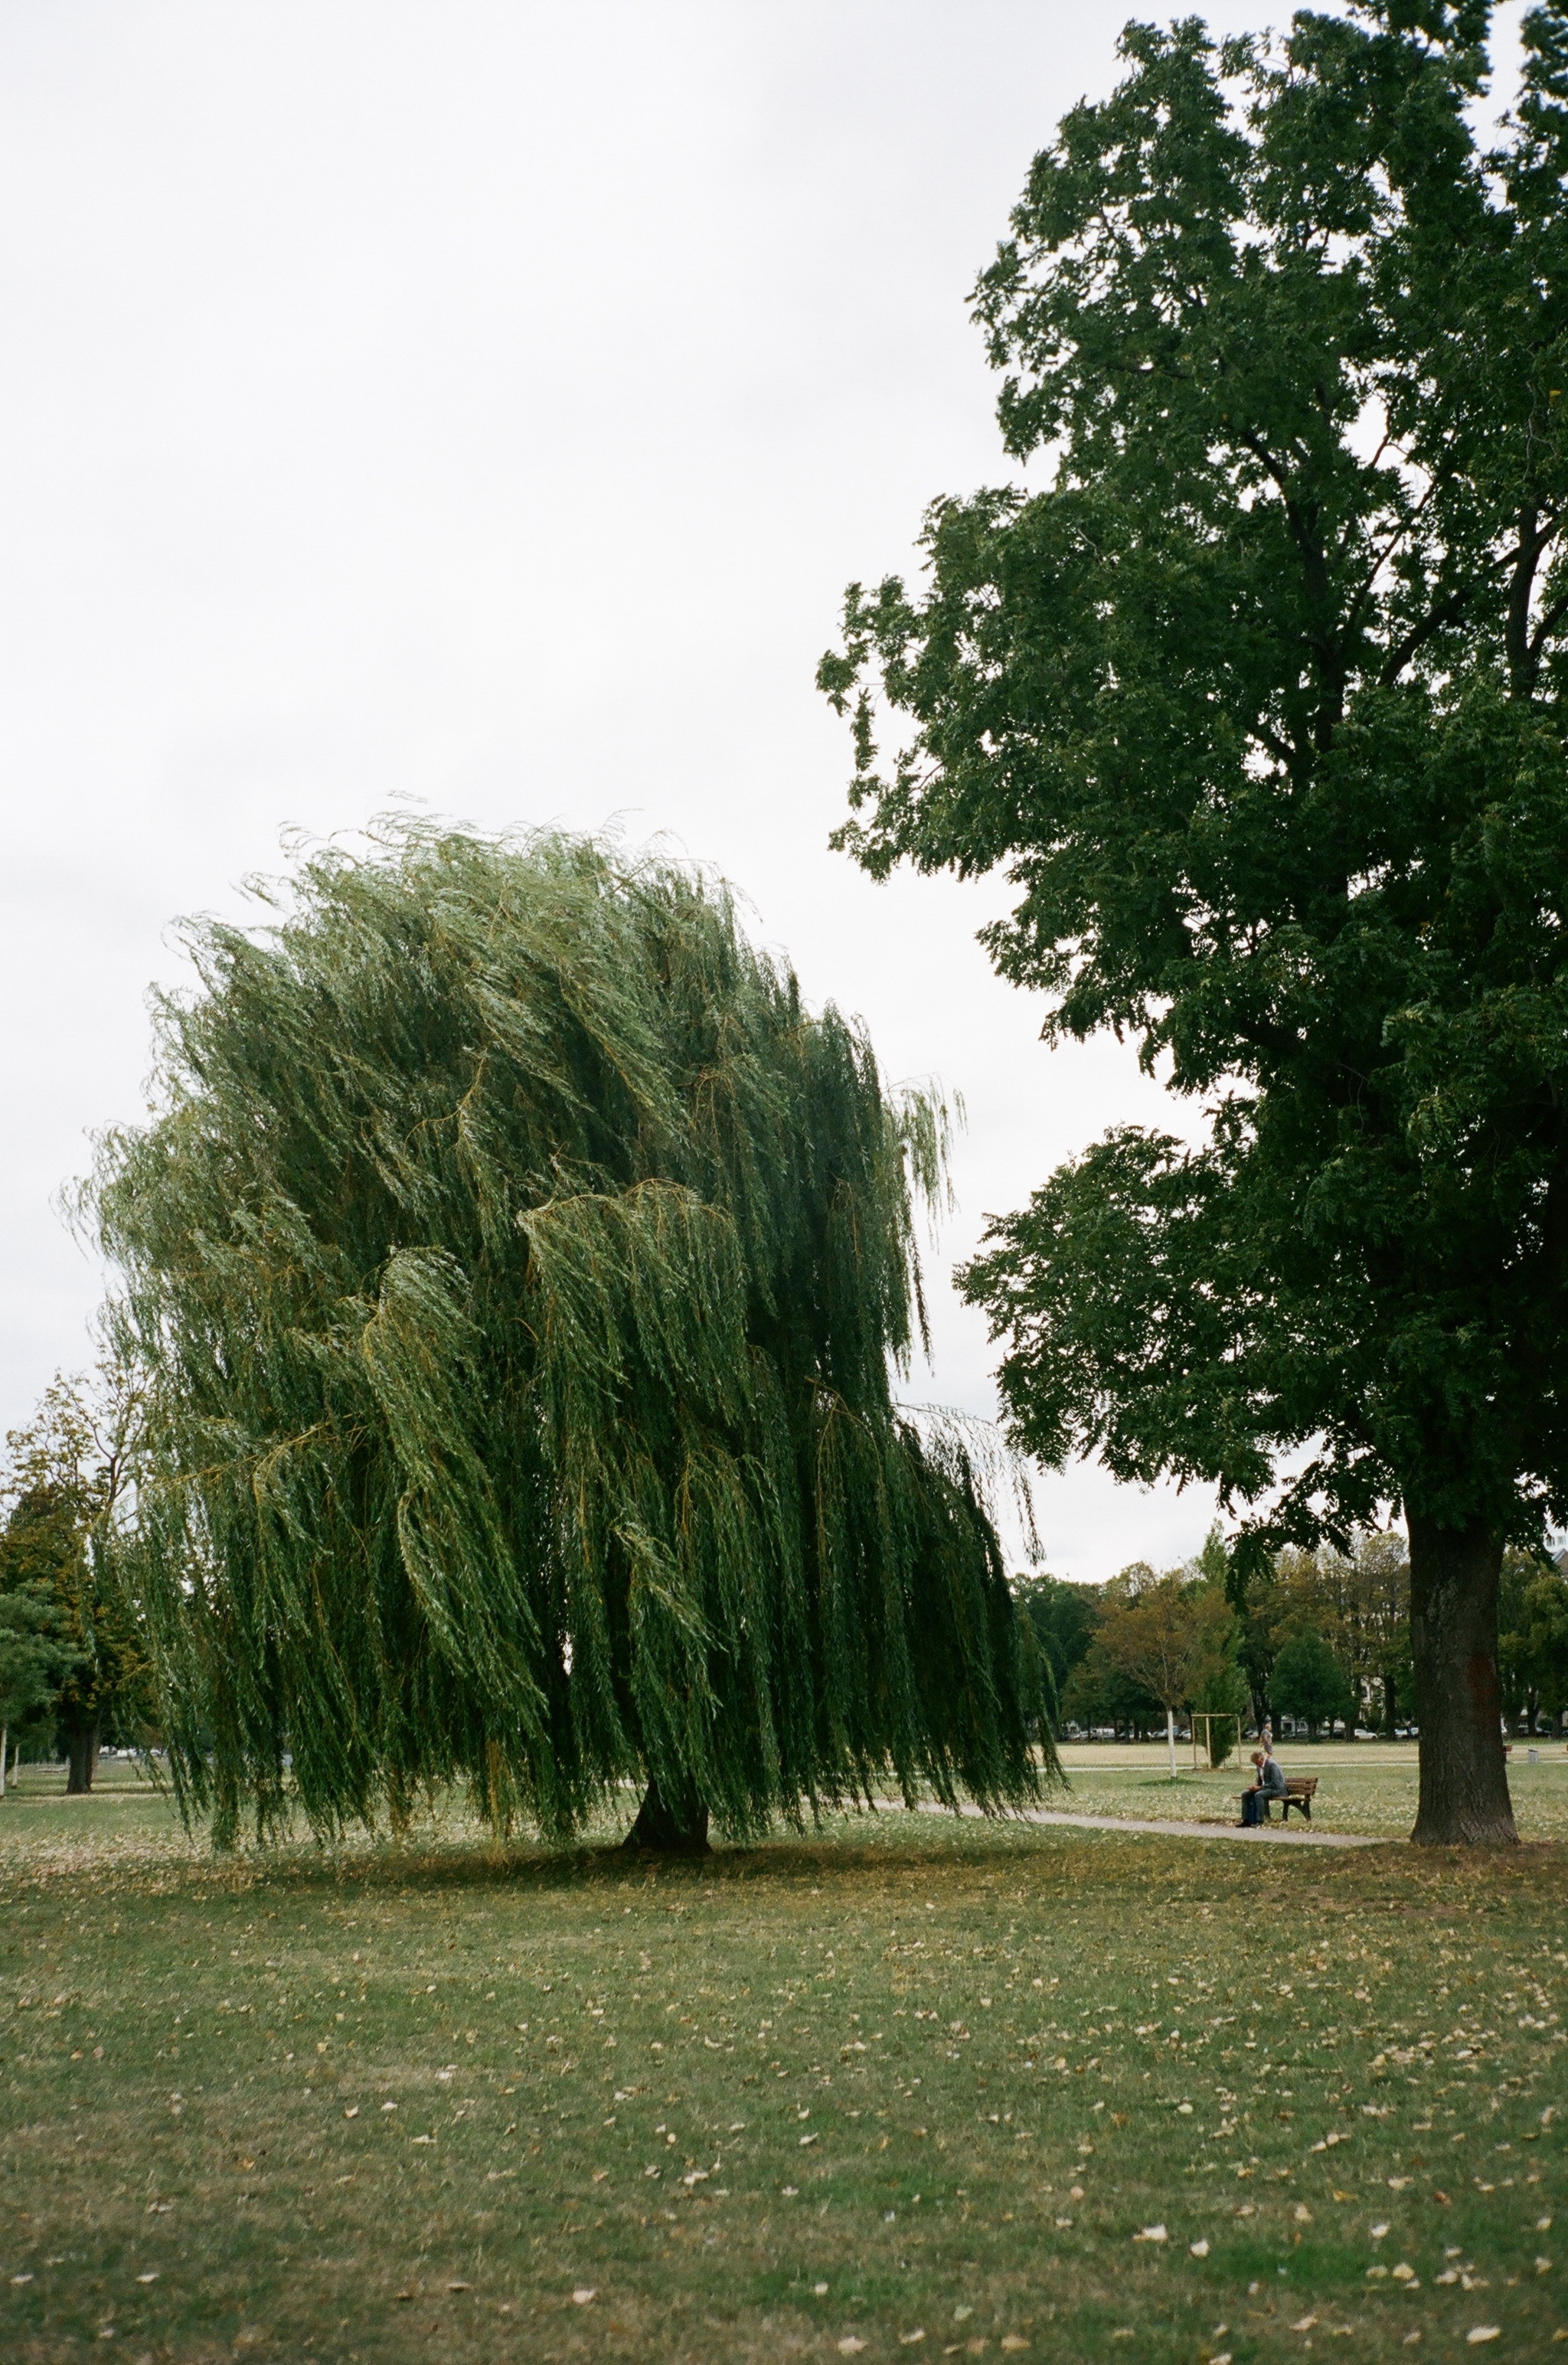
column 1199, row 2249
column 1482, row 2332
column 907, row 2340
column 1013, row 2340
column 584, row 2292
column 353, row 2112
column 1303, row 2324
column 849, row 2346
column 148, row 2278
column 1151, row 2234
column 459, row 2286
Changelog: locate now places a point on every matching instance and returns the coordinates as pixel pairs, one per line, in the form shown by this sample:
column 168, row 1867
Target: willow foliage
column 517, row 1267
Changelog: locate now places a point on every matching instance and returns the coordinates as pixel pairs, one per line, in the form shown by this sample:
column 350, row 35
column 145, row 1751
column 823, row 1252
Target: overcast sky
column 483, row 408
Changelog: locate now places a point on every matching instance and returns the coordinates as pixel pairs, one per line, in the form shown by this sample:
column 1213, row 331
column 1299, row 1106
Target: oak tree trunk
column 670, row 1827
column 81, row 1758
column 1454, row 1576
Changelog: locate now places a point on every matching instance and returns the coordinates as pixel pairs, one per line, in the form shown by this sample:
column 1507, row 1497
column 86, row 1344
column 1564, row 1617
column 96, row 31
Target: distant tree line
column 73, row 1661
column 1321, row 1638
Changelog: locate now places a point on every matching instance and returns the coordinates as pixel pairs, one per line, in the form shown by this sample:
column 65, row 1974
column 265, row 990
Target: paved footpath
column 1280, row 1835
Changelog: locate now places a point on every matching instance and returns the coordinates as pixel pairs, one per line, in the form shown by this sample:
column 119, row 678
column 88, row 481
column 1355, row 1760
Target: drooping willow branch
column 518, row 1268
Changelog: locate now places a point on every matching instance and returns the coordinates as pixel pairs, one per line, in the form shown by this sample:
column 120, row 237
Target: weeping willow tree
column 517, row 1269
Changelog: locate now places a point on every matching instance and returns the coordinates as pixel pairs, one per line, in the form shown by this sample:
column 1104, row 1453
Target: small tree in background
column 33, row 1664
column 1255, row 1604
column 1358, row 1600
column 1099, row 1693
column 1224, row 1697
column 1227, row 1694
column 1174, row 1638
column 1382, row 1577
column 517, row 1269
column 1533, row 1648
column 64, row 1477
column 1064, row 1618
column 1310, row 1685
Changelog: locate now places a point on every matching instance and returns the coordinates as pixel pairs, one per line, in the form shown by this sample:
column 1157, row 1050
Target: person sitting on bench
column 1268, row 1783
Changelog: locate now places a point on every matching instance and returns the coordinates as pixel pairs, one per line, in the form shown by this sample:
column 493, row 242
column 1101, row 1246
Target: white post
column 5, row 1745
column 1170, row 1738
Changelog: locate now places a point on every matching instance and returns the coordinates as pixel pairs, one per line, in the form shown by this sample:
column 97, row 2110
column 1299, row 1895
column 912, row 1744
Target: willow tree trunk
column 671, row 1827
column 81, row 1758
column 1454, row 1575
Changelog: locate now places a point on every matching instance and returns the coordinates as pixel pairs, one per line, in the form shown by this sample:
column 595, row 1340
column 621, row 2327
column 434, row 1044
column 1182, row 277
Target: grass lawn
column 1365, row 1786
column 909, row 2089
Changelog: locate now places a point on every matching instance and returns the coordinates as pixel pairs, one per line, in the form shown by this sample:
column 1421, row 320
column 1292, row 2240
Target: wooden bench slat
column 1300, row 1791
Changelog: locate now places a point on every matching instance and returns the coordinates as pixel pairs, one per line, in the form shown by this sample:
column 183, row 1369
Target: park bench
column 1300, row 1791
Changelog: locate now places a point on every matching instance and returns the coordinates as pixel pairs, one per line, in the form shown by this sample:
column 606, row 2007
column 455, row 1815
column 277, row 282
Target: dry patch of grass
column 925, row 2087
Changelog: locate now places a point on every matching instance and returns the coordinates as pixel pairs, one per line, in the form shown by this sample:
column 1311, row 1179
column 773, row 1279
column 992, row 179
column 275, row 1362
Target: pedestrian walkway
column 1268, row 1835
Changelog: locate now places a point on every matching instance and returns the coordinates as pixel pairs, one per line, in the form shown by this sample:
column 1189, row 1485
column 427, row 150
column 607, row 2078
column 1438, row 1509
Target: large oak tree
column 1258, row 698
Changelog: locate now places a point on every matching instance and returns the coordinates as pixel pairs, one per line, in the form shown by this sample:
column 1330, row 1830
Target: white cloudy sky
column 483, row 406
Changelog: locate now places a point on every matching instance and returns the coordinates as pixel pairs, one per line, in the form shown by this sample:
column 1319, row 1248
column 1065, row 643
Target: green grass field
column 912, row 2087
column 1364, row 1787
